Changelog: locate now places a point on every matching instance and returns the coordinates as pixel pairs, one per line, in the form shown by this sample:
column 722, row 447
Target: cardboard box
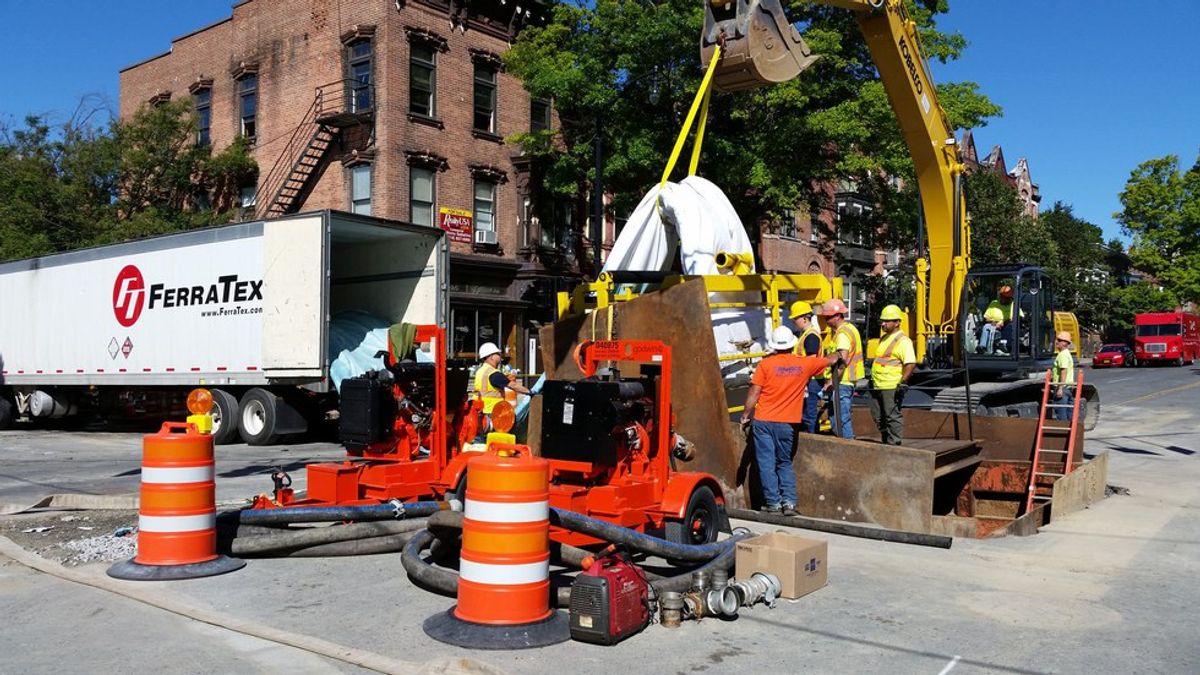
column 800, row 564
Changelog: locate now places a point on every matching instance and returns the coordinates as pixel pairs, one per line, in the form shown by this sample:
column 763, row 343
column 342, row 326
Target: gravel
column 76, row 538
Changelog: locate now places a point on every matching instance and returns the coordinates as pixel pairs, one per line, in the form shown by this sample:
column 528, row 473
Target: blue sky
column 1089, row 89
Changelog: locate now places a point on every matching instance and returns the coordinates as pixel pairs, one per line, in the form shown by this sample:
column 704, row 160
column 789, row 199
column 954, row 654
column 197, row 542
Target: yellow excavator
column 759, row 46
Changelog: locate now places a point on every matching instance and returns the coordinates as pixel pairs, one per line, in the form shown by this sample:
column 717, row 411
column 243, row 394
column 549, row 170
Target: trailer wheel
column 225, row 417
column 701, row 520
column 257, row 417
column 7, row 412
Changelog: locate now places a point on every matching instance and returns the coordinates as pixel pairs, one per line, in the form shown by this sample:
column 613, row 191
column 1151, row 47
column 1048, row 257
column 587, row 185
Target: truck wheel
column 1179, row 362
column 8, row 413
column 257, row 417
column 225, row 417
column 701, row 520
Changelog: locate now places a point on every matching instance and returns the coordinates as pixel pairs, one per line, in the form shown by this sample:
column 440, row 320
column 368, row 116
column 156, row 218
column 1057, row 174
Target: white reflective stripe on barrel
column 499, row 512
column 203, row 521
column 501, row 575
column 185, row 474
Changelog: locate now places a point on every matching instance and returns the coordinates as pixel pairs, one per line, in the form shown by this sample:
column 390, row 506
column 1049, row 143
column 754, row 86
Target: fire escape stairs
column 297, row 181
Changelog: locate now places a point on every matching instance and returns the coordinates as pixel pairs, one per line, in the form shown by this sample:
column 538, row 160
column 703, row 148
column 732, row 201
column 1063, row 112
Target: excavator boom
column 761, row 47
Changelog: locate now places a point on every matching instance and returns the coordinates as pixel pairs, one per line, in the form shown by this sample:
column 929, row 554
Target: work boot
column 790, row 510
column 773, row 509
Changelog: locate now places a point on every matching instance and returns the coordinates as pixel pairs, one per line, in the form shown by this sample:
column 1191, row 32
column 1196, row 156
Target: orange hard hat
column 1006, row 291
column 834, row 306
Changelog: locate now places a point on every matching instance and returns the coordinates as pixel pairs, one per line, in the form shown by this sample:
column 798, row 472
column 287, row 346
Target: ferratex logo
column 130, row 294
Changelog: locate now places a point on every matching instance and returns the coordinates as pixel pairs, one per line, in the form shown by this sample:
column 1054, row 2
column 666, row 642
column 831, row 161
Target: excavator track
column 1021, row 398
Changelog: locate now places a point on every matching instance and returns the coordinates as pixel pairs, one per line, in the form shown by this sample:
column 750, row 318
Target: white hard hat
column 487, row 349
column 782, row 339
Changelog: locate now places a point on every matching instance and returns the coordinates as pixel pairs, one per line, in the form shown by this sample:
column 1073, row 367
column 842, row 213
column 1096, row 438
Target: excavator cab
column 759, row 46
column 1008, row 319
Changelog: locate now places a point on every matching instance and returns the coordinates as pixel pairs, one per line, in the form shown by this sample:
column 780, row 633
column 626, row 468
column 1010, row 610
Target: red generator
column 610, row 601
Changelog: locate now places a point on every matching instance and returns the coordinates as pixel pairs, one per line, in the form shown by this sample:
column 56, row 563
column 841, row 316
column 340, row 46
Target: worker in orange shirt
column 774, row 409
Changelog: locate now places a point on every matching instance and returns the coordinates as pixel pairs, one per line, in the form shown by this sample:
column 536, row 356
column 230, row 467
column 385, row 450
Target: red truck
column 1169, row 337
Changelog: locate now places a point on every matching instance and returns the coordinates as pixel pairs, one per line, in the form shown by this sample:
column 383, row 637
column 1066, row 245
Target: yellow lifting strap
column 699, row 105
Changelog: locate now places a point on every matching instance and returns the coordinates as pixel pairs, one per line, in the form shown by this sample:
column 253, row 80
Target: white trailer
column 241, row 309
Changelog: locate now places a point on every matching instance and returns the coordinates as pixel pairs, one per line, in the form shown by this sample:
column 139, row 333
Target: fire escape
column 336, row 107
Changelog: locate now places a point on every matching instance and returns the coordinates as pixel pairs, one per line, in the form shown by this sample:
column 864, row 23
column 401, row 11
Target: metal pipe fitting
column 713, row 602
column 761, row 586
column 720, row 579
column 671, row 604
column 702, row 580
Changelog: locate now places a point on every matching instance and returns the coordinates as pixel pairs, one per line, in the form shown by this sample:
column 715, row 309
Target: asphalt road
column 1108, row 589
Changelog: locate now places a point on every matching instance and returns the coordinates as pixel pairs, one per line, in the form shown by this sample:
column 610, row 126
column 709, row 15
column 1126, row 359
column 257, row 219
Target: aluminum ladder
column 1040, row 491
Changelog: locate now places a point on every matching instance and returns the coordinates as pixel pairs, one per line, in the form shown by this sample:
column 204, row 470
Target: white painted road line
column 950, row 666
column 1121, row 379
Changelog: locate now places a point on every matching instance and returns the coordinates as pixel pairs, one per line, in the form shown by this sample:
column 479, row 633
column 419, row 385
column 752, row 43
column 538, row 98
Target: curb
column 147, row 595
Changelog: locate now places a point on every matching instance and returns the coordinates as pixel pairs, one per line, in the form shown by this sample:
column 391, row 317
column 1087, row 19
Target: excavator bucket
column 759, row 45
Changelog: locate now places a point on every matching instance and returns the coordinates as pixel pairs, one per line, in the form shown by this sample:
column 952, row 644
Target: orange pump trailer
column 395, row 468
column 639, row 490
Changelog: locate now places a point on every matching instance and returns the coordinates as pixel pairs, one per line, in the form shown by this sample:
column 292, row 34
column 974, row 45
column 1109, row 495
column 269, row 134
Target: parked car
column 1113, row 355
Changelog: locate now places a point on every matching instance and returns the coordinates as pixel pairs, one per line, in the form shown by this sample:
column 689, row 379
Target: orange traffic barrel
column 177, row 514
column 504, row 568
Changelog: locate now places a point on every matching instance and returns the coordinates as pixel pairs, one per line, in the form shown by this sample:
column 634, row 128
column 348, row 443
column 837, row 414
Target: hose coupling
column 397, row 509
column 760, row 587
column 671, row 604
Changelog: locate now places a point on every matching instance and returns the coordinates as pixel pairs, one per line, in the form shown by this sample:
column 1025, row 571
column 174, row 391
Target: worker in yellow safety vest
column 809, row 344
column 490, row 383
column 1062, row 377
column 895, row 360
column 844, row 339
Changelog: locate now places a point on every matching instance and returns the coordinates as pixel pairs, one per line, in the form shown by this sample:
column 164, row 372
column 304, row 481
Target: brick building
column 397, row 109
column 1018, row 177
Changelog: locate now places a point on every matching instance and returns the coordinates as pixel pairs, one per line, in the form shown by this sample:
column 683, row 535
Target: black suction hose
column 442, row 526
column 374, row 545
column 289, row 540
column 615, row 534
column 392, row 510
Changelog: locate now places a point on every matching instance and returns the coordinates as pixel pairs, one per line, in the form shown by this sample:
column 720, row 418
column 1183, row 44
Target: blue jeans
column 773, row 443
column 845, row 395
column 1063, row 414
column 812, row 407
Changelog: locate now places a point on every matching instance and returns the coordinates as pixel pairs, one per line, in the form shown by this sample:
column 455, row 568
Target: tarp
column 695, row 222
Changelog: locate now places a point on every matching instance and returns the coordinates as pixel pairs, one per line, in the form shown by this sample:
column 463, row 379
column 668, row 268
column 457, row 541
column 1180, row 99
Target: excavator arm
column 761, row 47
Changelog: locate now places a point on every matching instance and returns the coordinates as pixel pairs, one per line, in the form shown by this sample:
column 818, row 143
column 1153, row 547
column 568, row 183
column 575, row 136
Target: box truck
column 1166, row 337
column 243, row 310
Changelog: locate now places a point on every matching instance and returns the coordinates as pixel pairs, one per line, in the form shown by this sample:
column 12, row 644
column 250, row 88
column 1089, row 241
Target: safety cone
column 504, row 570
column 177, row 516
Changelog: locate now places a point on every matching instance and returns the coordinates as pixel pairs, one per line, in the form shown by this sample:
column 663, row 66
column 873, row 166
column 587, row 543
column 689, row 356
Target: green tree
column 1080, row 265
column 769, row 149
column 1000, row 231
column 1136, row 299
column 79, row 184
column 1162, row 214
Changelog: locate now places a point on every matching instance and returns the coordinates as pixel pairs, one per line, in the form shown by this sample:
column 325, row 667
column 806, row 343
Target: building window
column 360, row 189
column 485, row 98
column 422, row 69
column 539, row 114
column 203, row 103
column 471, row 327
column 420, row 196
column 558, row 228
column 248, row 196
column 485, row 205
column 787, row 224
column 247, row 89
column 358, row 65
